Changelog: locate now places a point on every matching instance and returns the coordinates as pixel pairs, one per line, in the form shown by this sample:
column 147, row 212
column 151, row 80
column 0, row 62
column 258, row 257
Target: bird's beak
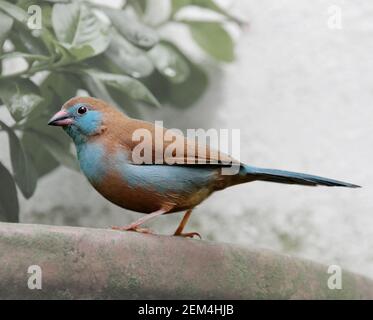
column 61, row 118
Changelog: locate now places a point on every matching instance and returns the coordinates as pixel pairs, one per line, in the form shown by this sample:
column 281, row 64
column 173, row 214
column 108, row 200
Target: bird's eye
column 82, row 110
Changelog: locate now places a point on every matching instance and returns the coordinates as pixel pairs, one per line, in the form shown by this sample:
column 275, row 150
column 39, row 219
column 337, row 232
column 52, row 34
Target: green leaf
column 206, row 4
column 188, row 92
column 122, row 101
column 97, row 88
column 143, row 4
column 20, row 96
column 170, row 62
column 213, row 39
column 132, row 87
column 139, row 6
column 42, row 160
column 61, row 85
column 128, row 58
column 182, row 94
column 6, row 24
column 63, row 55
column 130, row 28
column 111, row 95
column 46, row 10
column 25, row 41
column 103, row 63
column 14, row 11
column 178, row 4
column 9, row 207
column 79, row 30
column 159, row 86
column 56, row 142
column 24, row 55
column 58, row 150
column 42, row 113
column 24, row 172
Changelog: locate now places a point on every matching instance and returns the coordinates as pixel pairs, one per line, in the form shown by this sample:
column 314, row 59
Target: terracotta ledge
column 83, row 263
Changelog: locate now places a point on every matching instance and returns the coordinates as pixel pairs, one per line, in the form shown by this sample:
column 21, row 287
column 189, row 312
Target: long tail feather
column 288, row 177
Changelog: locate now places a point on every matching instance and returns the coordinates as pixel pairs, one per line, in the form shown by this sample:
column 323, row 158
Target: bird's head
column 82, row 118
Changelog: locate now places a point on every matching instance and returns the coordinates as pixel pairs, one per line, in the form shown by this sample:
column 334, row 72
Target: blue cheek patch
column 89, row 123
column 164, row 178
column 84, row 125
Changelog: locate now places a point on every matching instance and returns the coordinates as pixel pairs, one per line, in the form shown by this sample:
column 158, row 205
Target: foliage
column 110, row 53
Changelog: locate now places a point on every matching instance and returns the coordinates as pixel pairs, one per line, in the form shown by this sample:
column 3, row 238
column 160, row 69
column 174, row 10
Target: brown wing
column 168, row 147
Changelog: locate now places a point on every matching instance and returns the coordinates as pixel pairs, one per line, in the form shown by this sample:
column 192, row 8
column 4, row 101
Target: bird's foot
column 188, row 235
column 132, row 228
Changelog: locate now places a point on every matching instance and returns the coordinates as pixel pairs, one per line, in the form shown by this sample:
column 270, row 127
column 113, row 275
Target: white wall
column 301, row 94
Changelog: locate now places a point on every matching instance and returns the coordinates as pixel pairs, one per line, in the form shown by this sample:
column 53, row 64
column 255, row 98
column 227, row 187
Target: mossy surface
column 82, row 263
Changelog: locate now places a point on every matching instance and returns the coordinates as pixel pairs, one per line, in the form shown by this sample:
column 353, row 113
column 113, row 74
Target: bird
column 105, row 145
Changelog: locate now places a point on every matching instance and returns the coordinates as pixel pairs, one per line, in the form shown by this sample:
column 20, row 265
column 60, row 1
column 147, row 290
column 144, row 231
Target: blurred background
column 298, row 87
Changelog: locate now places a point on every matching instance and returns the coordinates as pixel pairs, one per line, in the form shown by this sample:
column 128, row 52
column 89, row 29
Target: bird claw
column 189, row 235
column 148, row 231
column 131, row 228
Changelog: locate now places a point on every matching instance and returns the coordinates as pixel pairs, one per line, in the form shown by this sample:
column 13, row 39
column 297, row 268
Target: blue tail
column 289, row 177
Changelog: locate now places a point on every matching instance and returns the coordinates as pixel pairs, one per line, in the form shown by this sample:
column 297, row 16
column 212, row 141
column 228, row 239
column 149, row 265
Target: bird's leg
column 183, row 222
column 180, row 228
column 134, row 226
